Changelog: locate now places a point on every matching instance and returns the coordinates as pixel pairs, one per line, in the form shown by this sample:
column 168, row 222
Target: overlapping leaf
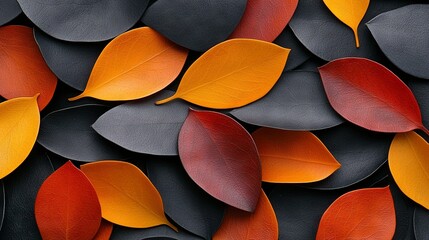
column 298, row 54
column 232, row 74
column 9, row 9
column 104, row 231
column 159, row 232
column 421, row 220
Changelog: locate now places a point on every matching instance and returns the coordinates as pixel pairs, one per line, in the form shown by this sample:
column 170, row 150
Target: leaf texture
column 9, row 9
column 126, row 195
column 298, row 55
column 221, row 157
column 232, row 74
column 104, row 231
column 158, row 232
column 421, row 220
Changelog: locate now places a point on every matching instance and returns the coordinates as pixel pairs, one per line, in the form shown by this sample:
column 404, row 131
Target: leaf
column 83, row 21
column 404, row 209
column 260, row 14
column 196, row 25
column 134, row 65
column 159, row 232
column 2, row 204
column 360, row 214
column 19, row 126
column 24, row 72
column 9, row 9
column 71, row 62
column 65, row 131
column 126, row 195
column 299, row 210
column 298, row 55
column 326, row 37
column 420, row 87
column 401, row 35
column 232, row 74
column 408, row 157
column 360, row 152
column 157, row 130
column 104, row 231
column 297, row 102
column 221, row 157
column 421, row 221
column 261, row 224
column 349, row 12
column 185, row 199
column 385, row 105
column 20, row 189
column 67, row 206
column 293, row 157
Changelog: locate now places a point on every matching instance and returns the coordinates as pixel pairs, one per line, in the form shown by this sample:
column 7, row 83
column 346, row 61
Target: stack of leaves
column 226, row 119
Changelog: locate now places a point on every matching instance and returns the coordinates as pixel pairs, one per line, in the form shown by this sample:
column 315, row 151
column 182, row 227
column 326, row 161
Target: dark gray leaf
column 9, row 9
column 160, row 232
column 404, row 210
column 298, row 54
column 420, row 89
column 421, row 223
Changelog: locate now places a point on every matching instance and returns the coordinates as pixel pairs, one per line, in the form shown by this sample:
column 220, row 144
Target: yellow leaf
column 409, row 164
column 126, row 195
column 134, row 65
column 350, row 12
column 19, row 126
column 232, row 74
column 293, row 156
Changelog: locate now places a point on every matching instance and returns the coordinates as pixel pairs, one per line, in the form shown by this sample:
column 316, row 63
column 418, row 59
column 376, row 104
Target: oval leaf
column 232, row 74
column 299, row 55
column 19, row 126
column 261, row 224
column 196, row 25
column 221, row 157
column 185, row 198
column 104, row 231
column 261, row 13
column 67, row 206
column 402, row 36
column 24, row 72
column 360, row 214
column 82, row 20
column 349, row 12
column 157, row 129
column 421, row 221
column 293, row 157
column 71, row 62
column 159, row 232
column 297, row 102
column 420, row 88
column 9, row 9
column 126, row 195
column 385, row 105
column 408, row 156
column 134, row 65
column 65, row 131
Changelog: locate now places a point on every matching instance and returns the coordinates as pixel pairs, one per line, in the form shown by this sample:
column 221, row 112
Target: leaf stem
column 355, row 32
column 165, row 100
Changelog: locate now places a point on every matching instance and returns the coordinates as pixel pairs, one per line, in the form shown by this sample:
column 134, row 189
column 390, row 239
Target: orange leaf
column 24, row 72
column 238, row 224
column 409, row 164
column 134, row 65
column 349, row 12
column 104, row 231
column 360, row 214
column 293, row 157
column 19, row 126
column 126, row 195
column 232, row 74
column 67, row 206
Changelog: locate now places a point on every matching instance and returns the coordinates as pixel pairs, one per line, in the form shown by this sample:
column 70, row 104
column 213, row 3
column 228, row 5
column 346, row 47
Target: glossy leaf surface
column 232, row 74
column 221, row 157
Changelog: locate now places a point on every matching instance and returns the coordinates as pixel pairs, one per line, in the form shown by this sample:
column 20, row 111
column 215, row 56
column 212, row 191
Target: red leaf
column 24, row 72
column 369, row 95
column 360, row 214
column 265, row 20
column 104, row 231
column 67, row 206
column 221, row 157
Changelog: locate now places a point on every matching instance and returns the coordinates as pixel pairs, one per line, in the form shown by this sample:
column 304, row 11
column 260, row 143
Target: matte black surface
column 21, row 189
column 143, row 127
column 404, row 210
column 328, row 38
column 360, row 152
column 68, row 133
column 421, row 223
column 185, row 202
column 297, row 102
column 298, row 54
column 160, row 232
column 9, row 9
column 71, row 62
column 196, row 25
column 403, row 36
column 84, row 20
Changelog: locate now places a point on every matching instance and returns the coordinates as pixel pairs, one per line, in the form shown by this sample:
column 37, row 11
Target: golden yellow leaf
column 126, row 195
column 350, row 12
column 232, row 74
column 19, row 126
column 134, row 65
column 293, row 156
column 409, row 164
